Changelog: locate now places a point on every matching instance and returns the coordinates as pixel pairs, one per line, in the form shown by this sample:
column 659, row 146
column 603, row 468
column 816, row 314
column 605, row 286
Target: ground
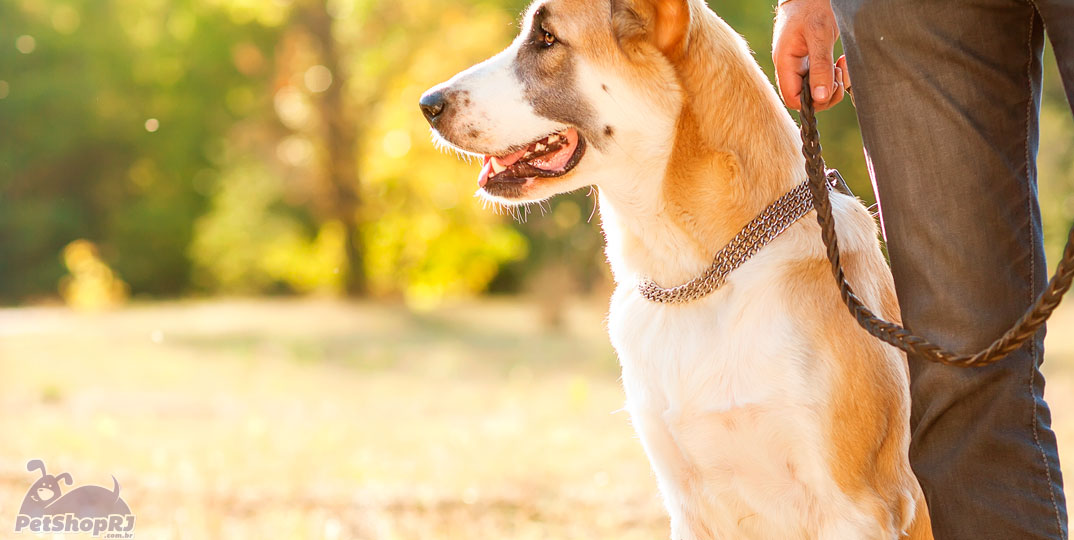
column 318, row 419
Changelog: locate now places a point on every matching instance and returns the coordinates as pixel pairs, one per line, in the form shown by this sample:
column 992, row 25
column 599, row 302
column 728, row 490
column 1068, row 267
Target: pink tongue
column 506, row 161
column 510, row 159
column 559, row 158
column 550, row 162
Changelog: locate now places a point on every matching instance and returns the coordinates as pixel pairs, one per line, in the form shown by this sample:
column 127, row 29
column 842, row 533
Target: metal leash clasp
column 836, row 182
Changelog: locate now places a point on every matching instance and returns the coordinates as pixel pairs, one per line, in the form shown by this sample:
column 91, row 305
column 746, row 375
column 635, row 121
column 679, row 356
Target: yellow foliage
column 428, row 236
column 243, row 246
column 90, row 285
column 309, row 266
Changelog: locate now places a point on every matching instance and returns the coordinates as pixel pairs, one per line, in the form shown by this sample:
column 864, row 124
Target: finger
column 785, row 59
column 821, row 70
column 839, row 91
column 842, row 64
column 844, row 77
column 789, row 71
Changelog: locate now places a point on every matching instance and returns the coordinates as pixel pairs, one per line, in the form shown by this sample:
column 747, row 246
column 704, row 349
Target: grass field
column 296, row 419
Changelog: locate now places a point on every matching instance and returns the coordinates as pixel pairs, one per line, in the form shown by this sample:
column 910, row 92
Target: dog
column 46, row 498
column 765, row 411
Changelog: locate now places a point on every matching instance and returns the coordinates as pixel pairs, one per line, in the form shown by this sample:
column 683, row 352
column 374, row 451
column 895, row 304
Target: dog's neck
column 736, row 150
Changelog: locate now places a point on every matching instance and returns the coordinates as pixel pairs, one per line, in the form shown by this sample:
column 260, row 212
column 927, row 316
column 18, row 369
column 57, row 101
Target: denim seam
column 1032, row 273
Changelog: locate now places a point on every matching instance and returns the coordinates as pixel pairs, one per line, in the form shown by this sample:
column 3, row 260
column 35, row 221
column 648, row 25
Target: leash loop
column 897, row 335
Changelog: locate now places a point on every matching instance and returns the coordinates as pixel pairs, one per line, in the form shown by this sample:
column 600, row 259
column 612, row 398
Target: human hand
column 802, row 42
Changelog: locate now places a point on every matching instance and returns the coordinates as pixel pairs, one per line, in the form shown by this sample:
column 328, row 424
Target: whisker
column 596, row 200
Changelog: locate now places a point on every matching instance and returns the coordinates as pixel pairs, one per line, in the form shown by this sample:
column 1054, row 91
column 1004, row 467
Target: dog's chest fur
column 729, row 406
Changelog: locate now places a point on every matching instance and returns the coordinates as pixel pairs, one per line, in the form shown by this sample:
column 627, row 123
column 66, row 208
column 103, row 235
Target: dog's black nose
column 432, row 105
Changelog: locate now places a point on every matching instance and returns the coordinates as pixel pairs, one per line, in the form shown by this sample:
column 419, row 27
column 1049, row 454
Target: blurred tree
column 340, row 135
column 105, row 124
column 346, row 82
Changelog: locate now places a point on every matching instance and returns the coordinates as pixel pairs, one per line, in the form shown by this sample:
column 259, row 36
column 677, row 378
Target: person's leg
column 947, row 96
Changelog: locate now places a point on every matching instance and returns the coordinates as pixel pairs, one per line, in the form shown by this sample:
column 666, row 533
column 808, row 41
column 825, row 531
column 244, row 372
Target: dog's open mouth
column 554, row 155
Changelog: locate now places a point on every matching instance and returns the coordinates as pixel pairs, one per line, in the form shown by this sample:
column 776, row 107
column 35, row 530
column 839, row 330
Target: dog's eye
column 547, row 39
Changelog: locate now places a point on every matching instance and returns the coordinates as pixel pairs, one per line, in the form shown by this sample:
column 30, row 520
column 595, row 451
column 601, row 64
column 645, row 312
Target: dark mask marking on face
column 547, row 74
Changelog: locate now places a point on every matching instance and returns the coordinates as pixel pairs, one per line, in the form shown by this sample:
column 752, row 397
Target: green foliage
column 248, row 243
column 105, row 123
column 1055, row 162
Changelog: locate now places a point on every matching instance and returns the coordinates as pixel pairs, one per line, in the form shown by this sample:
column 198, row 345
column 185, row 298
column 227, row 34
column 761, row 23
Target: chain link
column 770, row 223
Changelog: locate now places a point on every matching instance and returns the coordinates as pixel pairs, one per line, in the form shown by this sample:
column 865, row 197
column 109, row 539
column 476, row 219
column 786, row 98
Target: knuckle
column 818, row 24
column 821, row 50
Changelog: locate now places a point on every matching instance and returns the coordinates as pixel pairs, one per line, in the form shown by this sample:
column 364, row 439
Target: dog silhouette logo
column 87, row 509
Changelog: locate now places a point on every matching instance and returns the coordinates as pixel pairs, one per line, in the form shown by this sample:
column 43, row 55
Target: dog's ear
column 662, row 23
column 36, row 465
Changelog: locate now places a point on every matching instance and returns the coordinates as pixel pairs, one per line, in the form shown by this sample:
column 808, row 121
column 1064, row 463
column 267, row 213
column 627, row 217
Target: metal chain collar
column 764, row 228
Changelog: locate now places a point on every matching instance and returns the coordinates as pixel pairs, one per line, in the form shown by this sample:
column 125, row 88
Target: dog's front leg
column 678, row 480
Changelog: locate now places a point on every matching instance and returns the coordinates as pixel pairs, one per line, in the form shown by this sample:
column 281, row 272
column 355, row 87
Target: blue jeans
column 948, row 97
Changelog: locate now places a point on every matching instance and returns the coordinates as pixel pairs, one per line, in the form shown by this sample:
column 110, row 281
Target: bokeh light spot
column 340, row 9
column 65, row 19
column 152, row 125
column 318, row 78
column 25, row 44
column 295, row 151
column 396, row 143
column 291, row 108
column 5, row 89
column 247, row 58
column 181, row 24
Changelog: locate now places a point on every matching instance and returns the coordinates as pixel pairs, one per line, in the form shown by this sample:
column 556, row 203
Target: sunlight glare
column 318, row 79
column 396, row 143
column 26, row 44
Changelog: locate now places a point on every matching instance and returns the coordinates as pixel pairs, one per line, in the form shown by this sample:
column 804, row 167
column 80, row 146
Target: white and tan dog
column 765, row 411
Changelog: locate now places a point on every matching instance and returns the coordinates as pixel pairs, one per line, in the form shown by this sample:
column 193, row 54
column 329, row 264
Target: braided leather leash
column 895, row 334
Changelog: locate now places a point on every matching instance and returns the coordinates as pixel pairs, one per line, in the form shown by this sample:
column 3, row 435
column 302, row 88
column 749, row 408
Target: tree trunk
column 340, row 167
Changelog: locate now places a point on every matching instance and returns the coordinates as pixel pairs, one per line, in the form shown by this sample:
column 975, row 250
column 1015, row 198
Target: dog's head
column 586, row 91
column 47, row 488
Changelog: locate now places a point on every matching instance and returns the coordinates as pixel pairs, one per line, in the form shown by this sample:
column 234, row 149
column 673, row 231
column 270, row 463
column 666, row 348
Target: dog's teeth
column 497, row 167
column 540, row 147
